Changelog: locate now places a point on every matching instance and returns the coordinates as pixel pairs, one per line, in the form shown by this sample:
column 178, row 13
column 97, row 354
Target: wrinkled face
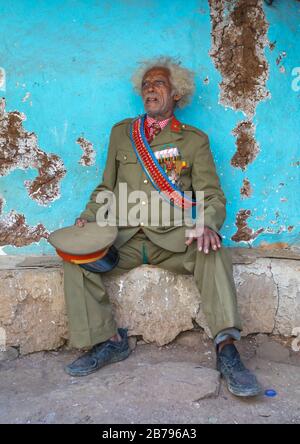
column 159, row 100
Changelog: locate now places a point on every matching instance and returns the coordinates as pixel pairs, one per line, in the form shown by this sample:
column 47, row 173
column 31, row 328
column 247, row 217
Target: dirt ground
column 171, row 384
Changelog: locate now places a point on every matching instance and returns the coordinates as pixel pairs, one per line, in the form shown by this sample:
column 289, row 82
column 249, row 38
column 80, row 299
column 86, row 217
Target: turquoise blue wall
column 75, row 58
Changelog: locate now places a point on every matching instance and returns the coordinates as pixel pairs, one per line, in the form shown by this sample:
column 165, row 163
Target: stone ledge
column 155, row 304
column 239, row 256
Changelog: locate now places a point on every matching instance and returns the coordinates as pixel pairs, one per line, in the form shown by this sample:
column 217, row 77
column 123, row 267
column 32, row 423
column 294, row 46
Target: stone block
column 32, row 311
column 154, row 303
column 286, row 275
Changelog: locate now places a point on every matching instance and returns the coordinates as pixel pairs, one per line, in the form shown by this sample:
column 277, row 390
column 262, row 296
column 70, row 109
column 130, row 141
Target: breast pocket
column 127, row 165
column 126, row 157
column 186, row 171
column 185, row 178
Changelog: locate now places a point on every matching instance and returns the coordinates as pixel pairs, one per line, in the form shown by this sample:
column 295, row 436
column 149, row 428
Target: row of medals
column 171, row 162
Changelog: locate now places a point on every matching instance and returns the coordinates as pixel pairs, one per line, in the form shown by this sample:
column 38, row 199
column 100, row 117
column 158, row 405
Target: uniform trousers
column 90, row 315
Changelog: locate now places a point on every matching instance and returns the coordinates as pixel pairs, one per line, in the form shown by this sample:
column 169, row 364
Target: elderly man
column 139, row 155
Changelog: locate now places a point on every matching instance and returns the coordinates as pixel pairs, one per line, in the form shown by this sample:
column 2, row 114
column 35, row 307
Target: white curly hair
column 182, row 79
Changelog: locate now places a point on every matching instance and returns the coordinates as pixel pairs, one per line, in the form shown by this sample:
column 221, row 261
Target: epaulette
column 124, row 122
column 193, row 129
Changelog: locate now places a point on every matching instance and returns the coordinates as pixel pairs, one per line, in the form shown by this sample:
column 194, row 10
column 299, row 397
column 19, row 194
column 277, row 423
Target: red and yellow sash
column 152, row 168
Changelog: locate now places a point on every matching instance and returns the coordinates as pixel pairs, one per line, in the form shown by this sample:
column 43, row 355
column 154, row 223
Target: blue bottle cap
column 270, row 393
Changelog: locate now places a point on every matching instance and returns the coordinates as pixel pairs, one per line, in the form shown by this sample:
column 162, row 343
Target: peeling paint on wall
column 279, row 59
column 281, row 229
column 246, row 189
column 26, row 97
column 239, row 37
column 247, row 147
column 89, row 154
column 19, row 149
column 272, row 45
column 2, row 79
column 244, row 233
column 14, row 230
column 68, row 101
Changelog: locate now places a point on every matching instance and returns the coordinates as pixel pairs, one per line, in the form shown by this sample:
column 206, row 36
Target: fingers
column 189, row 241
column 190, row 237
column 211, row 240
column 200, row 242
column 218, row 241
column 206, row 242
column 80, row 222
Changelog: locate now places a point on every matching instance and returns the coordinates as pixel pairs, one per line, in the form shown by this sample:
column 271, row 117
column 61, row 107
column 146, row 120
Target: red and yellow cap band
column 82, row 259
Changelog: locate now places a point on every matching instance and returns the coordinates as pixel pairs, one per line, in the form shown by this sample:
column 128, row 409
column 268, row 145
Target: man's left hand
column 209, row 239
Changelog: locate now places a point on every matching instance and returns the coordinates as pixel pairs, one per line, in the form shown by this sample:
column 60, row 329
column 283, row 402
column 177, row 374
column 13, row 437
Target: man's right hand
column 79, row 222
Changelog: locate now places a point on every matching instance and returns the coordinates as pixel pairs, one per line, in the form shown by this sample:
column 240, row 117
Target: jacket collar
column 171, row 133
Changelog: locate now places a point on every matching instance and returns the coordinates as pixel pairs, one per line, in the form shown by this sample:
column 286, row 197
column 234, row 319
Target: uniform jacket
column 122, row 166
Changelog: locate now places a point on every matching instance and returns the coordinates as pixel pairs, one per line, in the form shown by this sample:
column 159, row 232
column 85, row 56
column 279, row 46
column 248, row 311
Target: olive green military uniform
column 89, row 311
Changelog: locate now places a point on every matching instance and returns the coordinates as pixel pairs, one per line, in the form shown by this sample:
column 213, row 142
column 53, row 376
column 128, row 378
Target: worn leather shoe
column 101, row 354
column 240, row 381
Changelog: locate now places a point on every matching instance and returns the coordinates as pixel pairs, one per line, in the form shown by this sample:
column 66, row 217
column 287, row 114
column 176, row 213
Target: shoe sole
column 88, row 372
column 245, row 394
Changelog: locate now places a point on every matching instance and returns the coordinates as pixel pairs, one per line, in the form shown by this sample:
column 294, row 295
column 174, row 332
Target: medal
column 171, row 162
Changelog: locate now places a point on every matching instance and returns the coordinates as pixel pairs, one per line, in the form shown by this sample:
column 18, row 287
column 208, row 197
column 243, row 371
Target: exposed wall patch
column 2, row 79
column 14, row 230
column 26, row 97
column 239, row 37
column 246, row 189
column 247, row 147
column 89, row 154
column 272, row 45
column 244, row 233
column 282, row 54
column 19, row 149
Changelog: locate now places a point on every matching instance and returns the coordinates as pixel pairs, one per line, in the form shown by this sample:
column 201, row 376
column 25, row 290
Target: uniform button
column 143, row 202
column 183, row 126
column 146, row 181
column 125, row 157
